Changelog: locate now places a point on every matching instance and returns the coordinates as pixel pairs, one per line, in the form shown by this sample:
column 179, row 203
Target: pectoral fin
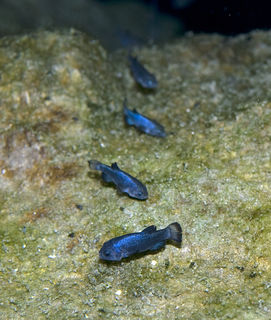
column 106, row 177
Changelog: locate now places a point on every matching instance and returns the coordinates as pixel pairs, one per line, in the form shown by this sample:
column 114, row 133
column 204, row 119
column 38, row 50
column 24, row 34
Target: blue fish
column 141, row 75
column 149, row 239
column 123, row 181
column 142, row 123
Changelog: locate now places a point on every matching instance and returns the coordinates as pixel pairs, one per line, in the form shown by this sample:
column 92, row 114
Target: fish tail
column 127, row 114
column 125, row 109
column 175, row 232
column 95, row 165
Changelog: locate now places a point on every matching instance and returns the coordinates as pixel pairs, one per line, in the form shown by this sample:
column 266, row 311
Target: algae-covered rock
column 61, row 100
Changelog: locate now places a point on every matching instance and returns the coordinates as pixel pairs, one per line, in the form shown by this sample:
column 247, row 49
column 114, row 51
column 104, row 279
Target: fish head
column 109, row 252
column 156, row 129
column 140, row 192
column 158, row 132
column 150, row 82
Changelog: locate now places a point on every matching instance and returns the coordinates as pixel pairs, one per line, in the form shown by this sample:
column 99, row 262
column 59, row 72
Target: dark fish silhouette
column 141, row 75
column 142, row 123
column 124, row 182
column 149, row 239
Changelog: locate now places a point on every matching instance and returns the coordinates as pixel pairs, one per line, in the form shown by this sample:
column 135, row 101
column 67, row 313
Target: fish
column 149, row 239
column 143, row 123
column 124, row 182
column 141, row 75
column 127, row 39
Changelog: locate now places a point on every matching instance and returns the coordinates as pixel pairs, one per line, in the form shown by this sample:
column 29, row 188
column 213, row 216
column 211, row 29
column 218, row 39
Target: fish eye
column 107, row 253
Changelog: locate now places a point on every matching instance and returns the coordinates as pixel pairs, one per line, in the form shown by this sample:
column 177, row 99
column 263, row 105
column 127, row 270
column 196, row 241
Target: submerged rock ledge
column 61, row 100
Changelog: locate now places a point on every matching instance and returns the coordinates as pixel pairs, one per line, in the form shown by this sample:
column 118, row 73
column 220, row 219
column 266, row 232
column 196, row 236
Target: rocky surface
column 61, row 98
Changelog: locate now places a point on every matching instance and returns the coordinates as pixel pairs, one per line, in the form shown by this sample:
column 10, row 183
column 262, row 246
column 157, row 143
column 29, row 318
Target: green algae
column 61, row 105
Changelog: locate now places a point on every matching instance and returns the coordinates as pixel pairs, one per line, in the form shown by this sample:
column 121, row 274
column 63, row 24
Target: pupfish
column 141, row 75
column 149, row 239
column 124, row 182
column 143, row 123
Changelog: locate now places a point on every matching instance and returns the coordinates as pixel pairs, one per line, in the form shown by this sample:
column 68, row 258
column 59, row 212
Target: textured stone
column 61, row 99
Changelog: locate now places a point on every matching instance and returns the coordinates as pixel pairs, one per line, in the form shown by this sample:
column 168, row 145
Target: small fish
column 142, row 123
column 149, row 239
column 123, row 181
column 127, row 39
column 141, row 75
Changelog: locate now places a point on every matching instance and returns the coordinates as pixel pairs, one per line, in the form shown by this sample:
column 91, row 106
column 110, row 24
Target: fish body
column 124, row 182
column 142, row 123
column 141, row 75
column 149, row 239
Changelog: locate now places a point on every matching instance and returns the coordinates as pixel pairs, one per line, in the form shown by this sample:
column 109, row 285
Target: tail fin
column 128, row 115
column 175, row 232
column 125, row 109
column 95, row 165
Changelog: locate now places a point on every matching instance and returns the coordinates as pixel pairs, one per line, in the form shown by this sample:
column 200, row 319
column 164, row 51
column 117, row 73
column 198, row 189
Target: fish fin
column 120, row 190
column 142, row 128
column 149, row 229
column 127, row 114
column 106, row 177
column 114, row 166
column 125, row 109
column 175, row 232
column 158, row 245
column 94, row 164
column 128, row 119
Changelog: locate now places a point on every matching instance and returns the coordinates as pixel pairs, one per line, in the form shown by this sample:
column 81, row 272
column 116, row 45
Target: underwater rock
column 61, row 100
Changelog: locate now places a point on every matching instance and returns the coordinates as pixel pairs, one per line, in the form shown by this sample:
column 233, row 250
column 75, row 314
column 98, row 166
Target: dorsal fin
column 149, row 229
column 134, row 110
column 114, row 166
